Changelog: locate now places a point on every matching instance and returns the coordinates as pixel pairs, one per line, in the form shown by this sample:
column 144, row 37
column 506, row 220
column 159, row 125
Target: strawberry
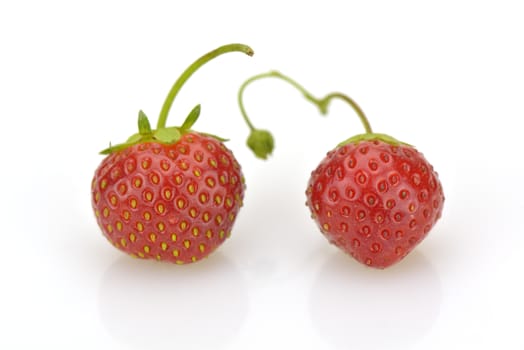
column 375, row 198
column 170, row 194
column 372, row 196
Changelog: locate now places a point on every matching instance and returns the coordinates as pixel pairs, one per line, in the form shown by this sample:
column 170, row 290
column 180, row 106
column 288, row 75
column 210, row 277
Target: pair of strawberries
column 173, row 194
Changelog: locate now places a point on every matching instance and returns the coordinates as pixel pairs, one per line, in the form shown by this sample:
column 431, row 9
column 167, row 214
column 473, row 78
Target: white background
column 446, row 76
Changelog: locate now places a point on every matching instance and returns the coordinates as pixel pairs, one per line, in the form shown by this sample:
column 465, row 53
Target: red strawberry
column 372, row 196
column 170, row 194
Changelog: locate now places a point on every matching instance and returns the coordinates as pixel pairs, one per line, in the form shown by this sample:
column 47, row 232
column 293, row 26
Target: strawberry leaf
column 191, row 118
column 144, row 128
column 221, row 139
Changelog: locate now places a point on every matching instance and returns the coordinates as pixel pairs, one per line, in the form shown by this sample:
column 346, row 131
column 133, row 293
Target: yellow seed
column 218, row 219
column 163, row 245
column 145, row 164
column 109, row 228
column 127, row 215
column 147, row 215
column 222, row 179
column 210, row 182
column 122, row 189
column 137, row 183
column 132, row 237
column 158, row 257
column 164, row 165
column 229, row 202
column 193, row 258
column 213, row 163
column 197, row 172
column 183, row 225
column 179, row 262
column 119, row 226
column 160, row 226
column 206, row 217
column 180, row 203
column 149, row 196
column 106, row 212
column 187, row 244
column 146, row 249
column 231, row 217
column 196, row 231
column 218, row 199
column 123, row 242
column 152, row 237
column 191, row 188
column 193, row 212
column 203, row 198
column 133, row 203
column 178, row 179
column 221, row 234
column 202, row 247
column 97, row 197
column 155, row 179
column 329, row 214
column 140, row 254
column 97, row 213
column 325, row 226
column 139, row 226
column 238, row 198
column 173, row 237
column 209, row 234
column 175, row 253
column 167, row 194
column 103, row 184
column 160, row 208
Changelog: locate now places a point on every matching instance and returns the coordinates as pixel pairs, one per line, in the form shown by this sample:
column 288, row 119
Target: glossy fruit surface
column 169, row 193
column 172, row 202
column 375, row 200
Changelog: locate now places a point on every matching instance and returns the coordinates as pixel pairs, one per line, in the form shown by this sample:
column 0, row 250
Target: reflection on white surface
column 354, row 307
column 198, row 306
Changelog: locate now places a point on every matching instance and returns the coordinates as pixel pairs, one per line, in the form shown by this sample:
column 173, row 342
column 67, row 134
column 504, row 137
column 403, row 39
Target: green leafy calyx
column 169, row 135
column 371, row 137
column 162, row 135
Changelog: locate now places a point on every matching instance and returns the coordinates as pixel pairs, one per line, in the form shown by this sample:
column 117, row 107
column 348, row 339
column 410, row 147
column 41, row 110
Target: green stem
column 321, row 103
column 192, row 69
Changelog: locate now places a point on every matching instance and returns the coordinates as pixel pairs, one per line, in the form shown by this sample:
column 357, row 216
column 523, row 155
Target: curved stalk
column 321, row 103
column 192, row 69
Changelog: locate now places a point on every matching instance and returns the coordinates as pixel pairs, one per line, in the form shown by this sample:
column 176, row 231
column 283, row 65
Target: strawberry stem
column 192, row 69
column 261, row 141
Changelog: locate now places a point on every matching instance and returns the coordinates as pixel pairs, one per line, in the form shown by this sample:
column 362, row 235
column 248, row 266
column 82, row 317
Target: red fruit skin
column 374, row 200
column 171, row 202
